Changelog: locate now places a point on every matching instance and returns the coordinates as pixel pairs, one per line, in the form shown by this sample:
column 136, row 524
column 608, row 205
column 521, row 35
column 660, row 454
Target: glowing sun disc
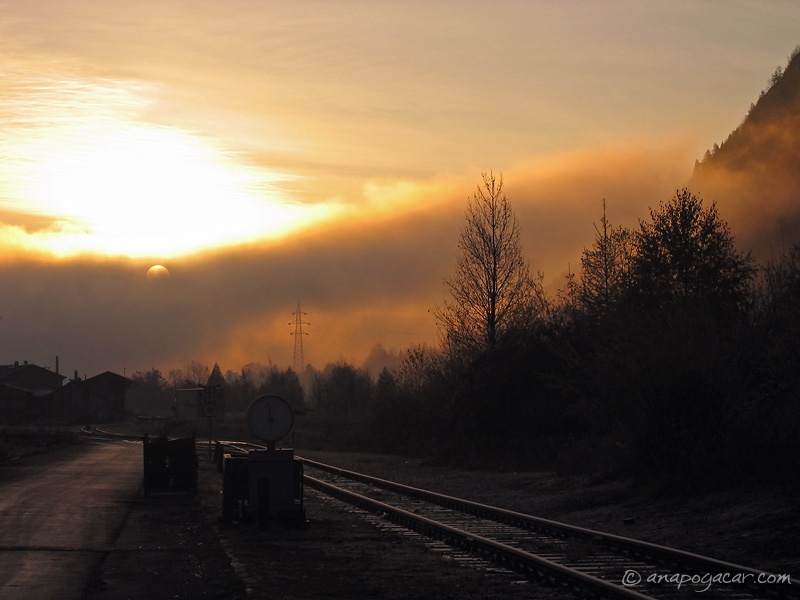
column 157, row 272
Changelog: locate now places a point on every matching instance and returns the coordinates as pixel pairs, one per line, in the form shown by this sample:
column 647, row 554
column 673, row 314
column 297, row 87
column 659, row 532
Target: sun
column 143, row 191
column 111, row 180
column 158, row 272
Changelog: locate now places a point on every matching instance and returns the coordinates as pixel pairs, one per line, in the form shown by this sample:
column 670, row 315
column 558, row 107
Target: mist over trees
column 670, row 352
column 758, row 162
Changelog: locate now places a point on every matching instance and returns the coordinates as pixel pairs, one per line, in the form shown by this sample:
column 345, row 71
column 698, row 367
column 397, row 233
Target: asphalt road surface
column 60, row 512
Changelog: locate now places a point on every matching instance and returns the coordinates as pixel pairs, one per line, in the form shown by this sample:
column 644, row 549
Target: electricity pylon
column 298, row 333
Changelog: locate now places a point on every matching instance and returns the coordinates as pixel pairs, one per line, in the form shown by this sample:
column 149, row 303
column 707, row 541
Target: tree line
column 154, row 392
column 669, row 351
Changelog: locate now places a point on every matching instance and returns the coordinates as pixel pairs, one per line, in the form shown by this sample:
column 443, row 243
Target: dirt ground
column 174, row 546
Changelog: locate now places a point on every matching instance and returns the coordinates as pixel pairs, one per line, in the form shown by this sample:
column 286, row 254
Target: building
column 34, row 394
column 98, row 399
column 25, row 390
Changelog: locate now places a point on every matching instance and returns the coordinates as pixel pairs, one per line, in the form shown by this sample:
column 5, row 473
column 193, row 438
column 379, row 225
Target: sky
column 321, row 154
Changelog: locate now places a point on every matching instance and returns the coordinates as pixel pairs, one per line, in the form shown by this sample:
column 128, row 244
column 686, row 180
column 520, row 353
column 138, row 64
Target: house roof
column 108, row 379
column 29, row 377
column 104, row 381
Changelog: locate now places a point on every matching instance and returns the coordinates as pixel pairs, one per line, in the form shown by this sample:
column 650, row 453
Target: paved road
column 59, row 514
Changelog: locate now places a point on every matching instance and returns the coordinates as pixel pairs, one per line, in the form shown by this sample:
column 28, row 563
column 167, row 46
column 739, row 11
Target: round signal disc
column 270, row 418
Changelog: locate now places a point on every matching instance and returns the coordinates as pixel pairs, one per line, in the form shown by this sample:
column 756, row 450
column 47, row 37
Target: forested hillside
column 754, row 175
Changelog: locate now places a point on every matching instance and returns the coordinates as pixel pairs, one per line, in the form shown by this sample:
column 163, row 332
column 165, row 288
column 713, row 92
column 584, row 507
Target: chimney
column 57, row 373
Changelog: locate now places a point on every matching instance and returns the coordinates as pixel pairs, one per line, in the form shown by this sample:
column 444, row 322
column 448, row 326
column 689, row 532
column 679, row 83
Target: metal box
column 275, row 482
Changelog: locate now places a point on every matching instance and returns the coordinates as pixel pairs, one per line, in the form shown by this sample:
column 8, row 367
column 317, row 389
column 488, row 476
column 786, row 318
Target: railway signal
column 208, row 401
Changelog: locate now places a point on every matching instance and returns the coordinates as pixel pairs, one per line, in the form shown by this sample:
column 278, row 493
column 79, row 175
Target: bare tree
column 192, row 374
column 491, row 290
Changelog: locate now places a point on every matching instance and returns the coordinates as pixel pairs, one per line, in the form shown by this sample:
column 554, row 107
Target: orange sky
column 273, row 153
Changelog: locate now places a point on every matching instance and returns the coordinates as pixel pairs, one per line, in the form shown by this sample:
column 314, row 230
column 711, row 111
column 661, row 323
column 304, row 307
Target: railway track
column 103, row 435
column 592, row 563
column 595, row 563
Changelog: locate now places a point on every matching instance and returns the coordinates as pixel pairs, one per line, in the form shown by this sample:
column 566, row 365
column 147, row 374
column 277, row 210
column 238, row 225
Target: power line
column 298, row 333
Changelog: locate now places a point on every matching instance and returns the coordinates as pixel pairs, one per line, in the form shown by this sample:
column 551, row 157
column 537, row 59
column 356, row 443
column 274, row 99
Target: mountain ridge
column 754, row 175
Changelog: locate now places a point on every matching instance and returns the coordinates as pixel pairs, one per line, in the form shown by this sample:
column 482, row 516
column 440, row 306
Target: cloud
column 392, row 134
column 371, row 276
column 558, row 199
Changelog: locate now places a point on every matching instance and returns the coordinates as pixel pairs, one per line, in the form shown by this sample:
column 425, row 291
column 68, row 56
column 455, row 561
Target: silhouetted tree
column 388, row 428
column 216, row 377
column 151, row 394
column 769, row 432
column 286, row 384
column 667, row 370
column 341, row 392
column 425, row 390
column 779, row 324
column 776, row 76
column 239, row 390
column 340, row 398
column 604, row 267
column 685, row 255
column 193, row 373
column 491, row 290
column 422, row 368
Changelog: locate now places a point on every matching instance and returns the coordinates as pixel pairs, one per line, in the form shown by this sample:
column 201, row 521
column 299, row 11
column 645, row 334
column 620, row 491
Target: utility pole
column 298, row 333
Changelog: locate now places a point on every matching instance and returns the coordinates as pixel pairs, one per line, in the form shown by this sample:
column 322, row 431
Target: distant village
column 30, row 394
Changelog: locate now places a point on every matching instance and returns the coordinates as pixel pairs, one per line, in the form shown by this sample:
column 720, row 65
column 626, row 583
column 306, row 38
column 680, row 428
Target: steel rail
column 520, row 560
column 638, row 548
column 101, row 433
column 240, row 447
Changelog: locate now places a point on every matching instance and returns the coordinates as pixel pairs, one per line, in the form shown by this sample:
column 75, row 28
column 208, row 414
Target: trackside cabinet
column 275, row 484
column 269, row 482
